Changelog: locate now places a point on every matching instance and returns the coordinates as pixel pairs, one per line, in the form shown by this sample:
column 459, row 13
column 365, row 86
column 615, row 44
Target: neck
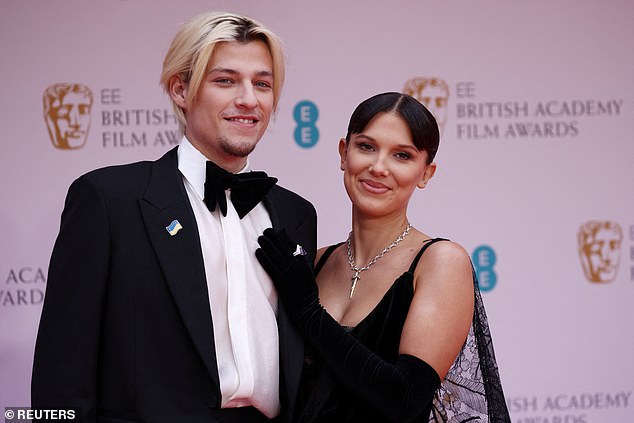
column 371, row 235
column 228, row 162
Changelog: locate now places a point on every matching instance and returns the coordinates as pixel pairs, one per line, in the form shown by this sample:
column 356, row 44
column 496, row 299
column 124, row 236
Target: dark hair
column 422, row 124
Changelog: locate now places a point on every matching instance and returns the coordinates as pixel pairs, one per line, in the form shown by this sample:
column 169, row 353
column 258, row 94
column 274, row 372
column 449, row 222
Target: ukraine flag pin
column 174, row 227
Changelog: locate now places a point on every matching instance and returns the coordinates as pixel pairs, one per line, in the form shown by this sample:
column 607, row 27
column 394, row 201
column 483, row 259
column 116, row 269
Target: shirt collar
column 193, row 165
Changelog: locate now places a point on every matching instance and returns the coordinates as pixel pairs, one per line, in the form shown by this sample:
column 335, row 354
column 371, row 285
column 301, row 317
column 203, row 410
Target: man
column 156, row 308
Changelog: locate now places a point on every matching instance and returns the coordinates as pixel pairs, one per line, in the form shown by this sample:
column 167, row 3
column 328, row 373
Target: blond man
column 156, row 308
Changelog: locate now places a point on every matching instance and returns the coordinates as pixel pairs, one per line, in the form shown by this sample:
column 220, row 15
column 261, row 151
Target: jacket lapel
column 179, row 253
column 291, row 343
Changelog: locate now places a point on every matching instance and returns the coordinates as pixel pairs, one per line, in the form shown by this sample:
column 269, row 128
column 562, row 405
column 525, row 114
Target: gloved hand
column 292, row 274
column 400, row 391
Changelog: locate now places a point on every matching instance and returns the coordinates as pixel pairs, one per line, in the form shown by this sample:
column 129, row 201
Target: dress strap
column 324, row 257
column 427, row 242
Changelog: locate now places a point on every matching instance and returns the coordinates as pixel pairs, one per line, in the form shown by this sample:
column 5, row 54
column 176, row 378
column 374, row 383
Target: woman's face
column 382, row 166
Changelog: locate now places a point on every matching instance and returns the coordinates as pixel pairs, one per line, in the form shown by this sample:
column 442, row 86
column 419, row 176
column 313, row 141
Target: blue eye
column 403, row 156
column 263, row 84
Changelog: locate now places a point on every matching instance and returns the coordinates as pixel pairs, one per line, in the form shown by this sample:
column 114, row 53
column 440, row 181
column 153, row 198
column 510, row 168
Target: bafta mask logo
column 434, row 94
column 600, row 250
column 67, row 114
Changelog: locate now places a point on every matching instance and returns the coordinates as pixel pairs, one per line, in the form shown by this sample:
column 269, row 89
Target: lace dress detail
column 471, row 391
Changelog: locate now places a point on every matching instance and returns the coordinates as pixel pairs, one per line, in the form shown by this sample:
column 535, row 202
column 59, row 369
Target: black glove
column 292, row 274
column 400, row 391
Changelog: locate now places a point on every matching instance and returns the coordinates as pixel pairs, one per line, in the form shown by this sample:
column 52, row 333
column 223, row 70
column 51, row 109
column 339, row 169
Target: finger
column 271, row 269
column 282, row 240
column 277, row 258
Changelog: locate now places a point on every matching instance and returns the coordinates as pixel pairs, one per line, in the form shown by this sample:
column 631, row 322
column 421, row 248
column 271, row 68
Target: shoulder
column 280, row 195
column 331, row 251
column 445, row 263
column 445, row 252
column 116, row 179
column 129, row 175
column 320, row 253
column 118, row 171
column 128, row 180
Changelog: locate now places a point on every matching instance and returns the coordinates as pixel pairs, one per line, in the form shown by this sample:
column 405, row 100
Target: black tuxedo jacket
column 126, row 332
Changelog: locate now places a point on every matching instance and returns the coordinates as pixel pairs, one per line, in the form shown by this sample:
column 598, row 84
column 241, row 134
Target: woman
column 394, row 321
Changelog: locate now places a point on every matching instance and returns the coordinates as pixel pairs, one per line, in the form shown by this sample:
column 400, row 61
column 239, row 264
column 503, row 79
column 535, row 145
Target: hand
column 399, row 390
column 292, row 274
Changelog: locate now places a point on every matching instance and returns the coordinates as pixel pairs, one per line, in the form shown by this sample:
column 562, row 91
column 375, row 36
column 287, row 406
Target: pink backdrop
column 538, row 140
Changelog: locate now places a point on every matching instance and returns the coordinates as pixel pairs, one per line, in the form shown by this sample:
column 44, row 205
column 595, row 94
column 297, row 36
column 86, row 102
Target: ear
column 343, row 153
column 429, row 172
column 178, row 91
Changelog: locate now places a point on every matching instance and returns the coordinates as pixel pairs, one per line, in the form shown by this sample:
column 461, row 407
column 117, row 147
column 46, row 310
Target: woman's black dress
column 463, row 395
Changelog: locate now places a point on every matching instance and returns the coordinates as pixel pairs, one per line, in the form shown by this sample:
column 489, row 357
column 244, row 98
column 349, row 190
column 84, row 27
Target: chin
column 239, row 149
column 371, row 210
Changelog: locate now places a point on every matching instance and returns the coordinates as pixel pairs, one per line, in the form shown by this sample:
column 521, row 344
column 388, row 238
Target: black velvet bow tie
column 247, row 189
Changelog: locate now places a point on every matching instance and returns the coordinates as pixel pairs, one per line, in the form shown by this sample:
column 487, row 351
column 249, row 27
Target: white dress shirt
column 242, row 297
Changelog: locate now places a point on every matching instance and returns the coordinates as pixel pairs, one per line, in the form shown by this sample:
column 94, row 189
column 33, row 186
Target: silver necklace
column 357, row 270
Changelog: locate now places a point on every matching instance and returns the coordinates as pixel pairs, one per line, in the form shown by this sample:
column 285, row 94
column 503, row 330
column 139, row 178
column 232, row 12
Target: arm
column 442, row 307
column 400, row 390
column 67, row 346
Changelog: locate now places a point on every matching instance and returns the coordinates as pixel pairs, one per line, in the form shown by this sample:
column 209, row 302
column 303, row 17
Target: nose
column 378, row 167
column 246, row 97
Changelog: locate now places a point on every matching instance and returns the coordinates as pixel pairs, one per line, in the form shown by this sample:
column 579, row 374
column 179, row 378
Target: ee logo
column 306, row 132
column 483, row 261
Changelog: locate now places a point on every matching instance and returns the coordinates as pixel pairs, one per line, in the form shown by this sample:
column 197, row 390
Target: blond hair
column 192, row 48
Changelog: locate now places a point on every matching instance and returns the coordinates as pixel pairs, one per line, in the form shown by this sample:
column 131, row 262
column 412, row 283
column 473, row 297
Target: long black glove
column 400, row 391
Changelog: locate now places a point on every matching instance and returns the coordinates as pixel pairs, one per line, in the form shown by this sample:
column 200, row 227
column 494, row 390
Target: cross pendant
column 354, row 280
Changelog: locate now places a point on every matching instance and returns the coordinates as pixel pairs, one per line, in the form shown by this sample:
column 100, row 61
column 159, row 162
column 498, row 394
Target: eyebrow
column 235, row 72
column 401, row 146
column 408, row 147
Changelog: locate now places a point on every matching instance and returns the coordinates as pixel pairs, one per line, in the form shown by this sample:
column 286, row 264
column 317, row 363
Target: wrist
column 301, row 313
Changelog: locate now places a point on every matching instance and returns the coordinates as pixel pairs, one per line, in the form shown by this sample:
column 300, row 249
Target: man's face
column 69, row 119
column 234, row 103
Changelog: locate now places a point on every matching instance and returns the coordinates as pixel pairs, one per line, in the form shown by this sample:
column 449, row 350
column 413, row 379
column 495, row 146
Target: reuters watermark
column 25, row 414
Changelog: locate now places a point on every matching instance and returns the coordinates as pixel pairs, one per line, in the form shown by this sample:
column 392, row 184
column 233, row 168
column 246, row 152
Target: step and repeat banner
column 535, row 168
